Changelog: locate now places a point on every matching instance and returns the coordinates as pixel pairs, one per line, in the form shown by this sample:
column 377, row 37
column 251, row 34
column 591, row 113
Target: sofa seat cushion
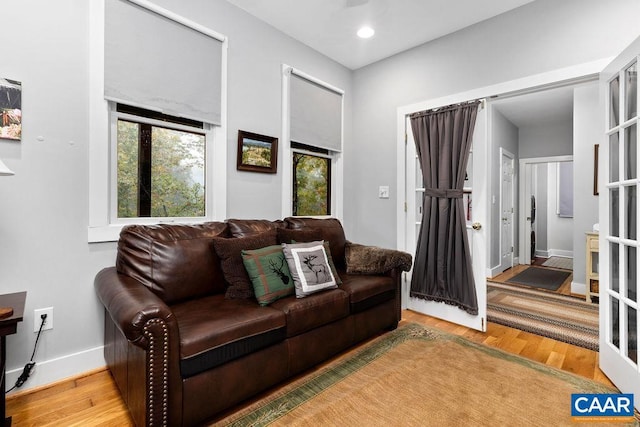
column 304, row 314
column 215, row 330
column 367, row 291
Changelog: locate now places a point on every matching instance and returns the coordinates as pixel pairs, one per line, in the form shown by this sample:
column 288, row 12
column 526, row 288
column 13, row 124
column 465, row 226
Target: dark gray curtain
column 442, row 268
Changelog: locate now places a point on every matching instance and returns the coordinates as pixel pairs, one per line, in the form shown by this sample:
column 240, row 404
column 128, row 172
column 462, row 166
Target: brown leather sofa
column 180, row 352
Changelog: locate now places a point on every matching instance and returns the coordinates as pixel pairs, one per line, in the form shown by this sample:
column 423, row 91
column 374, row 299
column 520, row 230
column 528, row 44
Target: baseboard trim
column 542, row 254
column 54, row 370
column 494, row 271
column 560, row 253
column 20, row 393
column 578, row 288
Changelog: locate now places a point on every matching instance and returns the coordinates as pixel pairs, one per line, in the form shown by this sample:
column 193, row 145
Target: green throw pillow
column 269, row 273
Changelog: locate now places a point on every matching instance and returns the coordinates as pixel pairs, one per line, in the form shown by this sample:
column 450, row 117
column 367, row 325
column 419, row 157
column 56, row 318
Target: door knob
column 476, row 226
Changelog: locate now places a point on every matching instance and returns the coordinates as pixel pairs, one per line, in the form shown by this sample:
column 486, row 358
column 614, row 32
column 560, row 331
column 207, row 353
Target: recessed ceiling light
column 366, row 32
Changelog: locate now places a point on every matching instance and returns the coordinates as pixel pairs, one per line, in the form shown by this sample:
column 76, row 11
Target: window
column 160, row 169
column 128, row 178
column 311, row 181
column 312, row 122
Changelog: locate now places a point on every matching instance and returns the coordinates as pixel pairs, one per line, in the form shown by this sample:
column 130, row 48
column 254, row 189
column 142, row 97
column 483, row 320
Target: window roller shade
column 159, row 64
column 315, row 114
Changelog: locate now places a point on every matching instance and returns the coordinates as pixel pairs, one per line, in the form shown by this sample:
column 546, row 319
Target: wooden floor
column 93, row 399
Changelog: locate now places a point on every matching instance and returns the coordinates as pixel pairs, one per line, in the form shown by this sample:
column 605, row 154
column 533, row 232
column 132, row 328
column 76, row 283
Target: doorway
column 488, row 161
column 536, row 131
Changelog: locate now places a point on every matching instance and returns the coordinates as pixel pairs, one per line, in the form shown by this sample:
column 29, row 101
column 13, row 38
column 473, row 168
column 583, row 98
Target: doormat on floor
column 544, row 278
column 559, row 262
column 560, row 317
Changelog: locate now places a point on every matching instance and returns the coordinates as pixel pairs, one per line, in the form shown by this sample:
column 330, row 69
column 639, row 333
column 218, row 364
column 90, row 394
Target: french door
column 619, row 219
column 476, row 206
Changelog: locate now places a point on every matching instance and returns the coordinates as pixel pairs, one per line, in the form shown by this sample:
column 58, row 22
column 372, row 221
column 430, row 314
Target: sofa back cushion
column 177, row 262
column 229, row 252
column 330, row 229
column 249, row 227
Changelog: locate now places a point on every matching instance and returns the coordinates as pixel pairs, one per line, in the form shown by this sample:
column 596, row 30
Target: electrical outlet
column 37, row 320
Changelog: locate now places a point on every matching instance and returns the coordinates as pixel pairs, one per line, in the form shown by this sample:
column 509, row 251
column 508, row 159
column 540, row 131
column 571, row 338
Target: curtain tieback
column 443, row 194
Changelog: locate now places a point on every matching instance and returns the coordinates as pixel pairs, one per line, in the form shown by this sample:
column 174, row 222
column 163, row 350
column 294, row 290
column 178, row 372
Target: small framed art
column 257, row 153
column 10, row 109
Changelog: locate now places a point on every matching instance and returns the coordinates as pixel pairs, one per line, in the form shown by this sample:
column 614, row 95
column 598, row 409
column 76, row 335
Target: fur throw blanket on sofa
column 362, row 259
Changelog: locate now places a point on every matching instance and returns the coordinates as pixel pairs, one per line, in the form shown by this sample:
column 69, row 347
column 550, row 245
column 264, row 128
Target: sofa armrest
column 361, row 259
column 131, row 305
column 152, row 360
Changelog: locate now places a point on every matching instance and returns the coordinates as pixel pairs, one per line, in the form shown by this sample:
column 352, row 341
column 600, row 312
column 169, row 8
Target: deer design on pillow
column 279, row 269
column 319, row 270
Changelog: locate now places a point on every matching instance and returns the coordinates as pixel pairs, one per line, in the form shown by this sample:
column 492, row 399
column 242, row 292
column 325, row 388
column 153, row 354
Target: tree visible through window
column 311, row 185
column 160, row 171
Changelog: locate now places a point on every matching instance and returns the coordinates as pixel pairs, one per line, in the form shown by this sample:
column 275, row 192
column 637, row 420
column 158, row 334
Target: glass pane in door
column 632, row 334
column 614, row 200
column 615, row 267
column 615, row 320
column 630, row 211
column 632, row 271
column 631, row 91
column 468, row 178
column 614, row 158
column 630, row 153
column 419, row 205
column 632, row 276
column 614, row 103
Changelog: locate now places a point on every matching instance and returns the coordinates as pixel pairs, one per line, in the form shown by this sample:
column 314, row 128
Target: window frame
column 320, row 153
column 101, row 228
column 115, row 115
column 336, row 179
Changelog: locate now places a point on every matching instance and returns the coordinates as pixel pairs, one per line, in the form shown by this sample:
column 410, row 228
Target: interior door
column 619, row 218
column 476, row 208
column 506, row 209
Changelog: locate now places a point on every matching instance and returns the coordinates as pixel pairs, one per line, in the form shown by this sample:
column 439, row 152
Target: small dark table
column 8, row 326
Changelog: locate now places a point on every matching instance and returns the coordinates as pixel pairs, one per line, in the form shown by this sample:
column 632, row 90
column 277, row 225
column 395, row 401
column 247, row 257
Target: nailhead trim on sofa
column 149, row 332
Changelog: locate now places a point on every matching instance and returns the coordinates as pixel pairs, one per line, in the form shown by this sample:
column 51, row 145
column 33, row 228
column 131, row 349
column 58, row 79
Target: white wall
column 587, row 126
column 540, row 177
column 44, row 215
column 559, row 229
column 547, row 140
column 541, row 36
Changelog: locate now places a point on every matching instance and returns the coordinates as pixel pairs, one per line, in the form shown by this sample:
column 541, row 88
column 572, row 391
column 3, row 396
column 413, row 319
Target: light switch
column 383, row 192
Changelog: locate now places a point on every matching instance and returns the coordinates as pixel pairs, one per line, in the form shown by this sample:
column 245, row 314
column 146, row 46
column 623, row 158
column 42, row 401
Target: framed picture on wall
column 257, row 153
column 10, row 109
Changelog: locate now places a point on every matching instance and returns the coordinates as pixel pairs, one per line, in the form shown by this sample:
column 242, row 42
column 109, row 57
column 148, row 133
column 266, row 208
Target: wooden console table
column 593, row 277
column 8, row 326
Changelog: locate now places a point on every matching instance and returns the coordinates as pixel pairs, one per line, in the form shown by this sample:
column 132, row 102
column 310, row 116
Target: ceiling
column 329, row 26
column 538, row 108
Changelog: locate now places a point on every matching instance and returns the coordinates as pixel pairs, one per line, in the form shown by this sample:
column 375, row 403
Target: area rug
column 417, row 376
column 537, row 277
column 560, row 317
column 559, row 262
